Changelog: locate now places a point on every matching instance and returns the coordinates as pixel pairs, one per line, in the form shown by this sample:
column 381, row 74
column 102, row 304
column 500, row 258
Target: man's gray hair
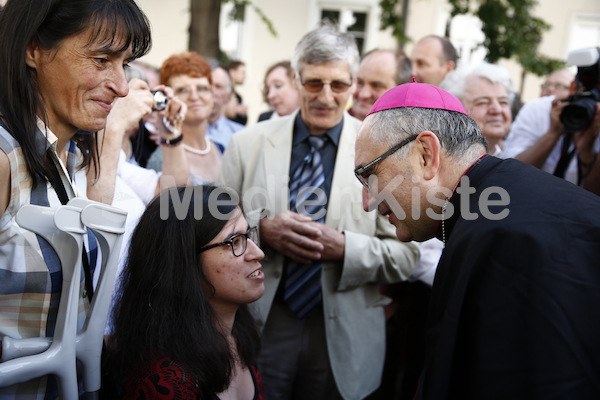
column 455, row 81
column 458, row 134
column 326, row 44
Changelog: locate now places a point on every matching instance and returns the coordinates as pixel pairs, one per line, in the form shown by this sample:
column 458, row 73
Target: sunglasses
column 316, row 85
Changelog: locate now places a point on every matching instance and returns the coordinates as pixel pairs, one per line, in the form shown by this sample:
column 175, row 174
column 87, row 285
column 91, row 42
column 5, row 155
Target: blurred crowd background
column 574, row 24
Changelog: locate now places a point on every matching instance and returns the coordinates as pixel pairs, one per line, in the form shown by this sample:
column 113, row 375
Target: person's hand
column 171, row 118
column 293, row 235
column 556, row 126
column 584, row 139
column 127, row 111
column 333, row 242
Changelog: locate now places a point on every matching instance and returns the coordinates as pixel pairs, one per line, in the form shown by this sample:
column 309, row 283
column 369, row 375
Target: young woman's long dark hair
column 162, row 308
column 48, row 23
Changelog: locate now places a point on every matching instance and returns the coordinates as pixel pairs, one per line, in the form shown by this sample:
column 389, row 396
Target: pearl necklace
column 197, row 151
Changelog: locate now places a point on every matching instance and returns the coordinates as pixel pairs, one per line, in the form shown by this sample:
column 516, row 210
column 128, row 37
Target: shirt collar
column 218, row 122
column 302, row 133
column 46, row 139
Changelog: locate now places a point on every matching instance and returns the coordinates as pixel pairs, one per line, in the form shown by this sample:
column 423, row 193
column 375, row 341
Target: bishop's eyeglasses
column 362, row 173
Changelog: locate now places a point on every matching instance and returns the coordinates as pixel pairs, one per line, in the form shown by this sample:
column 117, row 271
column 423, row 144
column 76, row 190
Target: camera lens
column 579, row 114
column 161, row 100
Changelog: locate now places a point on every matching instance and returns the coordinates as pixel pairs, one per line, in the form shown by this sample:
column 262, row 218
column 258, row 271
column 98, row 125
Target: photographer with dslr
column 560, row 135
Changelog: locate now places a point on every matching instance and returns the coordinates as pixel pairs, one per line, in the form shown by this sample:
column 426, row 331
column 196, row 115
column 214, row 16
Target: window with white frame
column 349, row 20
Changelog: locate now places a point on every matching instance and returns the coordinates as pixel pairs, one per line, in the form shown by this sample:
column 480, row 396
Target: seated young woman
column 182, row 329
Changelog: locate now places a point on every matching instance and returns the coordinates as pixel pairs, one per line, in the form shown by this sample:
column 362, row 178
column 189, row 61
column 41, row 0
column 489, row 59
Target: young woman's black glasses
column 238, row 242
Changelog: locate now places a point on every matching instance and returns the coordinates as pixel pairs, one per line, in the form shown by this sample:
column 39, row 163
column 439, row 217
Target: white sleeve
column 532, row 122
column 142, row 181
column 431, row 251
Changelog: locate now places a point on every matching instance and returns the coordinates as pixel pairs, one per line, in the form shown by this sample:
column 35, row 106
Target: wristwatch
column 171, row 142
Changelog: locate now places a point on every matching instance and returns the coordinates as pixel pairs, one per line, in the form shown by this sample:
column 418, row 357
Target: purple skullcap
column 421, row 95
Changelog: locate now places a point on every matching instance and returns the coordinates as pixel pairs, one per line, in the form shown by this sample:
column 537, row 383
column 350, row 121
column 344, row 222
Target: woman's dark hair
column 161, row 308
column 48, row 23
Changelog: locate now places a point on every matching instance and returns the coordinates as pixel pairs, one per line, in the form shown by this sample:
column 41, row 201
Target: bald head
column 557, row 84
column 432, row 58
column 379, row 71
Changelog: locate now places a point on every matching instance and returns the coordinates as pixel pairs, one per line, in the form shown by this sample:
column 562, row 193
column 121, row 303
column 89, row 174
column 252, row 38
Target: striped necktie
column 302, row 291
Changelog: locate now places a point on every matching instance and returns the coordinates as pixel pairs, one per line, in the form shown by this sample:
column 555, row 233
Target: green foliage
column 510, row 32
column 237, row 13
column 509, row 28
column 391, row 17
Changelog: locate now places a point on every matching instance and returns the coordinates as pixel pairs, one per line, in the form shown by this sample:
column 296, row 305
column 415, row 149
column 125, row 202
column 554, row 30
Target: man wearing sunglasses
column 327, row 342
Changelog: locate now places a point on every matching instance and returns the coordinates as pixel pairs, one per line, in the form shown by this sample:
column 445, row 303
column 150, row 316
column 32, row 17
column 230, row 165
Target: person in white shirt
column 539, row 137
column 557, row 84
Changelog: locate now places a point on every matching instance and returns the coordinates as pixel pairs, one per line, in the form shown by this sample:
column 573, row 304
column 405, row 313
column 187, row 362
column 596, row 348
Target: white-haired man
column 487, row 92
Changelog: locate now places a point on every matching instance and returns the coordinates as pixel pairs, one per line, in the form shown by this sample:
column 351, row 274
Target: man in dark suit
column 513, row 313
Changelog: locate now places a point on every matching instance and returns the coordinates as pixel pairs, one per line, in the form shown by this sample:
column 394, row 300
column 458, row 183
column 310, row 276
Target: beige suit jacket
column 256, row 164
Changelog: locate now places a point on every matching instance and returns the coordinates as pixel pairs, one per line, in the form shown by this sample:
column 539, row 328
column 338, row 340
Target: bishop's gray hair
column 458, row 134
column 326, row 44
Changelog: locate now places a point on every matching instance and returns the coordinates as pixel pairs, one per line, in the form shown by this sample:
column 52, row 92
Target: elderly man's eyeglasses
column 316, row 85
column 362, row 173
column 238, row 242
column 555, row 86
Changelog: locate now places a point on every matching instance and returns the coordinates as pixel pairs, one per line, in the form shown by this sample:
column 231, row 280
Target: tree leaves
column 510, row 31
column 238, row 13
column 508, row 25
column 392, row 17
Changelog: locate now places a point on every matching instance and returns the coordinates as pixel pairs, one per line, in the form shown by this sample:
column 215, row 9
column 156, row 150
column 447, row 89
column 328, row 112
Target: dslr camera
column 580, row 111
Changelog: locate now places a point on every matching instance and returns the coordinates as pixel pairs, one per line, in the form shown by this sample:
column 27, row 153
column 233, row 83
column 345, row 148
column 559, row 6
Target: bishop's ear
column 430, row 149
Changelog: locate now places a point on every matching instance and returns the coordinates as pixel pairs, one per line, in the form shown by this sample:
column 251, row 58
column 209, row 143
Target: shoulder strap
column 55, row 180
column 566, row 156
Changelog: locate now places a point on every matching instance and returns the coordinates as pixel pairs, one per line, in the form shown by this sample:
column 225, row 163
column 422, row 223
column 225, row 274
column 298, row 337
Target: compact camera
column 580, row 111
column 161, row 100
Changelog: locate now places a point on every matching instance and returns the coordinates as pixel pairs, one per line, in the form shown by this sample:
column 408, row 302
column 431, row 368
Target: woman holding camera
column 182, row 326
column 189, row 75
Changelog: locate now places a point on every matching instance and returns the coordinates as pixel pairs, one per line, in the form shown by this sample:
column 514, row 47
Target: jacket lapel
column 343, row 185
column 277, row 153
